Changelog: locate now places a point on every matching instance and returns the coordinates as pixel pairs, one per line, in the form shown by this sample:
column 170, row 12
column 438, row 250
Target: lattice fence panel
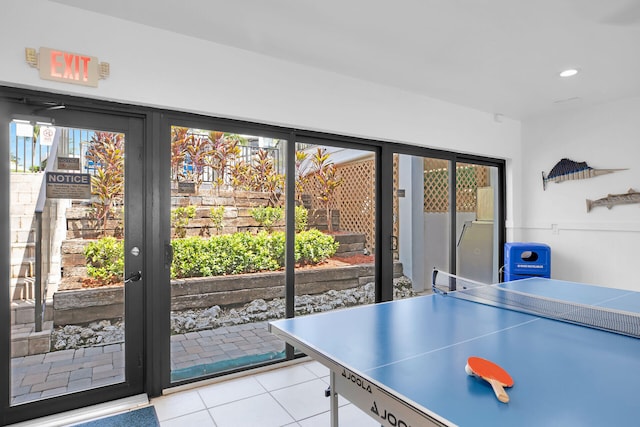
column 355, row 198
column 436, row 185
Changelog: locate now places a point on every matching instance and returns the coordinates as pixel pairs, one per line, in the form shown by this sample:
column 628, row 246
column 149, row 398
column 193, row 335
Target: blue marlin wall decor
column 567, row 169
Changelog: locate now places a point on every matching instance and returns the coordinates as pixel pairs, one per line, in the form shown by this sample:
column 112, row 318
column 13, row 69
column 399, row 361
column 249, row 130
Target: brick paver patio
column 50, row 374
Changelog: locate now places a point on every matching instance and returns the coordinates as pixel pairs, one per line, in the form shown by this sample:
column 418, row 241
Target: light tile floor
column 288, row 396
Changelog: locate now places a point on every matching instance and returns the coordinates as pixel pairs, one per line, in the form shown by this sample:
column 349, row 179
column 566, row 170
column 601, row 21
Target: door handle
column 394, row 243
column 168, row 256
column 133, row 277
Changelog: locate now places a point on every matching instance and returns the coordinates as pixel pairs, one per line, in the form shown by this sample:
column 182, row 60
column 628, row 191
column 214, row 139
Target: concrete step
column 21, row 281
column 23, row 312
column 26, row 342
column 21, row 288
column 21, row 250
column 22, row 267
column 23, row 236
column 22, row 216
column 24, row 197
column 30, row 179
column 26, row 183
column 24, row 191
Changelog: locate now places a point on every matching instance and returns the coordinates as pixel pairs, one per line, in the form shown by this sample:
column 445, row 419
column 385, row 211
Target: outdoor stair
column 25, row 341
column 24, row 196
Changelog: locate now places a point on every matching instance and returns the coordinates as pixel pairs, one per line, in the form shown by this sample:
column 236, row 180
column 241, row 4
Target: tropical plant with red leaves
column 106, row 151
column 179, row 137
column 225, row 148
column 198, row 152
column 328, row 181
column 264, row 176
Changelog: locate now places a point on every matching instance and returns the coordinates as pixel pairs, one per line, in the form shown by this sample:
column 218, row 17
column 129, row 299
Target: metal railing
column 29, row 155
column 43, row 238
column 247, row 152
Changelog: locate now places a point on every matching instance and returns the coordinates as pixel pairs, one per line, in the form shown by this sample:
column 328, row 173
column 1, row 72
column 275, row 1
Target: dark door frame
column 88, row 116
column 453, row 159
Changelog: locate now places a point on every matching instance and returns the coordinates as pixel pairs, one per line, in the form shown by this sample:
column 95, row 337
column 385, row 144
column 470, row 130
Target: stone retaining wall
column 81, row 223
column 87, row 305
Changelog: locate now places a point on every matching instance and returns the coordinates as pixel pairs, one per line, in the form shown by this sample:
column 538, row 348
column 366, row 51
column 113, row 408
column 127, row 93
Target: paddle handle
column 498, row 389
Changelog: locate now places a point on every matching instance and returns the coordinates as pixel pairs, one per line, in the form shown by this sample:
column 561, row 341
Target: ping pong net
column 617, row 321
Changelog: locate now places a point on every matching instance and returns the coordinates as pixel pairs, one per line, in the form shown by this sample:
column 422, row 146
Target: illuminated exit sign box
column 69, row 67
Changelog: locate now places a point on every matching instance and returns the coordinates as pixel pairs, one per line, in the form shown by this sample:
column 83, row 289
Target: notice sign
column 69, row 163
column 24, row 129
column 62, row 185
column 187, row 187
column 47, row 133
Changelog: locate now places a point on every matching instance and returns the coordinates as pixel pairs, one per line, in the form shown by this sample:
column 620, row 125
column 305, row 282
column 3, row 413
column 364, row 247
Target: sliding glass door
column 422, row 219
column 227, row 218
column 477, row 222
column 263, row 225
column 335, row 226
column 428, row 234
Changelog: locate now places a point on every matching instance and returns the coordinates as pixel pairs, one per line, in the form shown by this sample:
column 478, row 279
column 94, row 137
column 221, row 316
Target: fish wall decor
column 631, row 196
column 567, row 169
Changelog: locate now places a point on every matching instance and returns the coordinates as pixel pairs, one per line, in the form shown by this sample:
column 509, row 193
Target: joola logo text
column 389, row 417
column 356, row 380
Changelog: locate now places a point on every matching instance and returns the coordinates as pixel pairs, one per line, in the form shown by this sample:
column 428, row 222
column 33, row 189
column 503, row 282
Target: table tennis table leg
column 333, row 399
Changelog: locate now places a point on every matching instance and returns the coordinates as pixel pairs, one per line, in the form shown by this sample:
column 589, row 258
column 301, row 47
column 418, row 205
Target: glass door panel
column 74, row 327
column 335, row 227
column 422, row 220
column 228, row 240
column 476, row 222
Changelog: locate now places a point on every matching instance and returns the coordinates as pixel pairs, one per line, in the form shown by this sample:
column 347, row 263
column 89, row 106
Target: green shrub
column 227, row 254
column 313, row 246
column 105, row 260
column 267, row 216
column 302, row 218
column 246, row 253
column 216, row 215
column 180, row 218
column 215, row 256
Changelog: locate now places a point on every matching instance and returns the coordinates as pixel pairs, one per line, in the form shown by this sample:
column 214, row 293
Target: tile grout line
column 295, row 420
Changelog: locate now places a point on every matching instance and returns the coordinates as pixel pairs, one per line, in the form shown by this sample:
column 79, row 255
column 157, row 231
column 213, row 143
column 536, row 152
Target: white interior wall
column 158, row 68
column 152, row 67
column 436, row 229
column 405, row 218
column 601, row 246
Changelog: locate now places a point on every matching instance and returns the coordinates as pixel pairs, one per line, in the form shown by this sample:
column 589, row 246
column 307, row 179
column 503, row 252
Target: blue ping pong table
column 402, row 362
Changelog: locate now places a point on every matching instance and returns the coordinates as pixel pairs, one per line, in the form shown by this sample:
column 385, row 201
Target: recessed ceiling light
column 567, row 100
column 569, row 72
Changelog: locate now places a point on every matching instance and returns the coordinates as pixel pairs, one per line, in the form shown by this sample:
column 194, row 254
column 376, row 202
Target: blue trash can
column 526, row 259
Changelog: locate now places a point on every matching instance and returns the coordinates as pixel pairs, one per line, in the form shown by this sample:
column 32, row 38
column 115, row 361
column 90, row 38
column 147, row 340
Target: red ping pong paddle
column 492, row 373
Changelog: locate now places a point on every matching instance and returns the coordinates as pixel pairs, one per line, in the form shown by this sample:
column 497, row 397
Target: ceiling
column 499, row 56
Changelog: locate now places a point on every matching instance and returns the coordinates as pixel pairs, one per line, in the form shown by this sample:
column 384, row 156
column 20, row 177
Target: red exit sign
column 68, row 67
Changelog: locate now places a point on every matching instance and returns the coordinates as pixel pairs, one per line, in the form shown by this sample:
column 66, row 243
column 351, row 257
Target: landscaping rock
column 259, row 310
